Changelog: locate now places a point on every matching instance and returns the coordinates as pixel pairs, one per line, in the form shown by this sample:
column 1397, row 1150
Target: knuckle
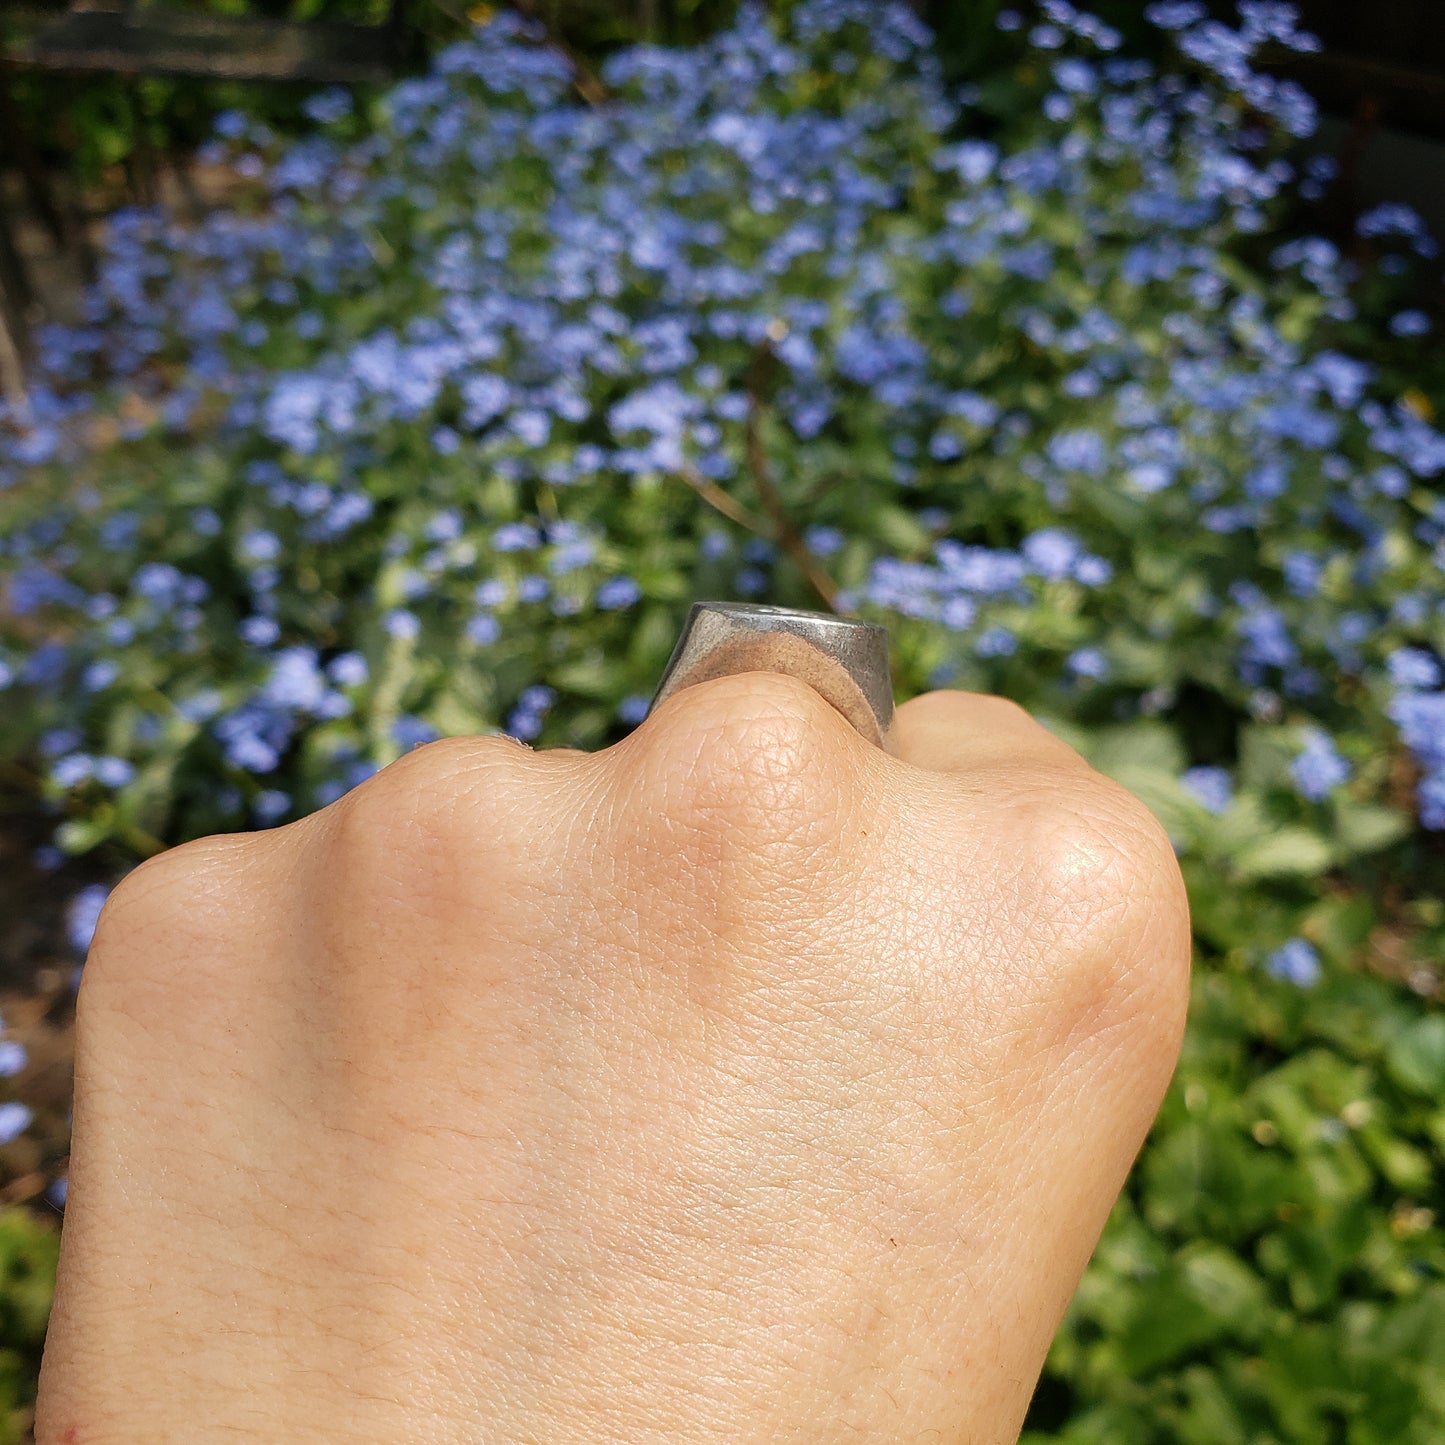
column 423, row 781
column 180, row 902
column 755, row 747
column 421, row 831
column 1106, row 884
column 447, row 759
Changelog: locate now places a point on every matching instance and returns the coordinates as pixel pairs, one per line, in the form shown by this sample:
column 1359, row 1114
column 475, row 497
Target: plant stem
column 714, row 496
column 787, row 535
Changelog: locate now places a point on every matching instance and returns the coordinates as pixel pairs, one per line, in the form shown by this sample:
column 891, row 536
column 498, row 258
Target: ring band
column 844, row 661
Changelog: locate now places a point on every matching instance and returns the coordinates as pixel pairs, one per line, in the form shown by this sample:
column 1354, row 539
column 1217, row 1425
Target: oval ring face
column 844, row 661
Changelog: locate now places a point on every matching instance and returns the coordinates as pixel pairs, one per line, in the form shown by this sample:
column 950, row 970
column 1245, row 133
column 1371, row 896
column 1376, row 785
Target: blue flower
column 1052, row 553
column 260, row 546
column 112, row 772
column 531, row 711
column 537, row 698
column 1342, row 377
column 483, row 629
column 1266, row 482
column 13, row 1058
column 348, row 669
column 485, row 397
column 996, row 642
column 402, row 624
column 1076, row 76
column 531, row 427
column 515, row 537
column 158, row 582
column 15, row 1119
column 1302, row 572
column 977, row 410
column 73, row 770
column 200, row 707
column 663, row 410
column 347, row 511
column 329, row 105
column 270, row 804
column 1414, row 667
column 1430, row 798
column 252, row 737
column 1212, row 788
column 34, row 587
column 958, row 613
column 569, row 556
column 1410, row 323
column 634, row 707
column 1296, row 962
column 981, row 570
column 1420, row 717
column 973, row 160
column 411, row 732
column 443, row 526
column 1318, row 769
column 1390, row 219
column 618, row 592
column 1078, row 451
column 99, row 675
column 296, row 680
column 259, row 631
column 1266, row 640
column 82, row 914
column 823, row 541
column 1088, row 662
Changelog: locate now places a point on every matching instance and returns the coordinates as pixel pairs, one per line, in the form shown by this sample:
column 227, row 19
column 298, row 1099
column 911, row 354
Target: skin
column 736, row 1082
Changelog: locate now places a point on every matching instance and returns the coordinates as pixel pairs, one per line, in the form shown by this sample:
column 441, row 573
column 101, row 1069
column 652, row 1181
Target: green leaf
column 80, row 835
column 1302, row 1259
column 1161, row 793
column 1416, row 1057
column 1265, row 756
column 590, row 676
column 1204, row 1295
column 1290, row 852
column 897, row 529
column 1367, row 828
column 1152, row 745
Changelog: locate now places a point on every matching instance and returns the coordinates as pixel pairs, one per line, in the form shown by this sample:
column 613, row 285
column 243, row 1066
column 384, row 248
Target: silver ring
column 844, row 661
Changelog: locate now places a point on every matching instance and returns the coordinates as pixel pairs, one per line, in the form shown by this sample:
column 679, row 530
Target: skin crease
column 738, row 1081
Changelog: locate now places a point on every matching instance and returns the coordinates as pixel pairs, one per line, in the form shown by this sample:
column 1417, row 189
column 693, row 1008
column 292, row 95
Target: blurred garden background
column 423, row 396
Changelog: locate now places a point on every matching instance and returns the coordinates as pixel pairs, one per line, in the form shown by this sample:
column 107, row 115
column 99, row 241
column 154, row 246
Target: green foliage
column 1276, row 1267
column 29, row 1249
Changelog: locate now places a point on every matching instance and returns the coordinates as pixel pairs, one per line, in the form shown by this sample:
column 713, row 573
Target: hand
column 738, row 1082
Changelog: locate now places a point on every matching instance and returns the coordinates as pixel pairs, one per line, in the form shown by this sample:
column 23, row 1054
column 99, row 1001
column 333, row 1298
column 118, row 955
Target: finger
column 962, row 732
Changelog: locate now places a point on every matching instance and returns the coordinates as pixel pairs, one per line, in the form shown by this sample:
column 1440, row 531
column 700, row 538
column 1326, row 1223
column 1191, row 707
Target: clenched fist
column 738, row 1082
